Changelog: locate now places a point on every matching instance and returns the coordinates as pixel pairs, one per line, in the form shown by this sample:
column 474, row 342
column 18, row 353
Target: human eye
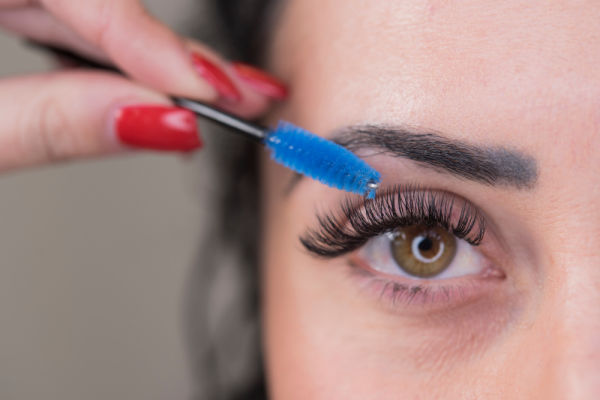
column 411, row 244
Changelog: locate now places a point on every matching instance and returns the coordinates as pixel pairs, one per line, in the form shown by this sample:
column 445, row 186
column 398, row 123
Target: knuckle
column 104, row 18
column 109, row 19
column 48, row 135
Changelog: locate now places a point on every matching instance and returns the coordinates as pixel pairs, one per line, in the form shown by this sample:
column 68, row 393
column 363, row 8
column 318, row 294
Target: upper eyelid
column 331, row 238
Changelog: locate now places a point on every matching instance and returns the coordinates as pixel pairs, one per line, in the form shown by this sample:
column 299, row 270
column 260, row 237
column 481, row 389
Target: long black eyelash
column 401, row 205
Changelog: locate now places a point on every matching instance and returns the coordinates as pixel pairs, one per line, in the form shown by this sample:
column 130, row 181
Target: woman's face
column 483, row 118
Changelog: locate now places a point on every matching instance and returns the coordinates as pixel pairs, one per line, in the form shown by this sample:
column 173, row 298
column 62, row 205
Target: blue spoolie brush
column 290, row 145
column 301, row 151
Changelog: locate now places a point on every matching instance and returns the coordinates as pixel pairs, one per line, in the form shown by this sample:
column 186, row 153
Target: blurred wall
column 93, row 260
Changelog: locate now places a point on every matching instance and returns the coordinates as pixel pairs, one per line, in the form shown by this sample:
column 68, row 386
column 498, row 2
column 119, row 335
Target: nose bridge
column 562, row 346
column 571, row 307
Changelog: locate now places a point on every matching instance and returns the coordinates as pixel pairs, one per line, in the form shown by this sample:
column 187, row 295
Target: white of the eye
column 417, row 252
column 378, row 254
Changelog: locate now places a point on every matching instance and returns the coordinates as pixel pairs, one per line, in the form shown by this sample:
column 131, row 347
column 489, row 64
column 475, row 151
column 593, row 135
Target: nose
column 565, row 333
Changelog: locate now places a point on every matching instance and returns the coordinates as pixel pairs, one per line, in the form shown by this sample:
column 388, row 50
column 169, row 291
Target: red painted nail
column 158, row 127
column 260, row 81
column 216, row 77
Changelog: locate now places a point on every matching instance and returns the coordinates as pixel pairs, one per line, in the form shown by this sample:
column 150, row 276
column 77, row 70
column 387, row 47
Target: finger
column 15, row 3
column 257, row 88
column 41, row 26
column 151, row 53
column 257, row 85
column 72, row 115
column 140, row 45
column 245, row 91
column 253, row 103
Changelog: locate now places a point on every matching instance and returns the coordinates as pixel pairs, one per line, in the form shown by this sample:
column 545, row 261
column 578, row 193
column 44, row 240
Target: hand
column 77, row 113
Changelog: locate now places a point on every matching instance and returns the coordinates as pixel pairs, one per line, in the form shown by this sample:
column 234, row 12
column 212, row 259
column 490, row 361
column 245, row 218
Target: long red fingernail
column 260, row 81
column 216, row 77
column 158, row 127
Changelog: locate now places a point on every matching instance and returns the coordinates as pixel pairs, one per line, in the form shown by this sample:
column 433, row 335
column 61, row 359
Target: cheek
column 325, row 339
column 310, row 350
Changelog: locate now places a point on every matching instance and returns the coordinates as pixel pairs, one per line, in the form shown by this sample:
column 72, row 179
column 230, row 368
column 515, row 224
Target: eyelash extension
column 396, row 293
column 398, row 206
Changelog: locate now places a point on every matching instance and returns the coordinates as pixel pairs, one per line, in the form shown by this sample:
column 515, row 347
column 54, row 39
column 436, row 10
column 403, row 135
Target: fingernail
column 216, row 77
column 260, row 81
column 157, row 127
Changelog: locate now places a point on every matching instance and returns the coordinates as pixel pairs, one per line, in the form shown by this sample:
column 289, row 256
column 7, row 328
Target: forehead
column 516, row 72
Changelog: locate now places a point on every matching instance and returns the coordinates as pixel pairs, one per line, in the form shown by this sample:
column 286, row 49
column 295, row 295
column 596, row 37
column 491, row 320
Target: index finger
column 139, row 44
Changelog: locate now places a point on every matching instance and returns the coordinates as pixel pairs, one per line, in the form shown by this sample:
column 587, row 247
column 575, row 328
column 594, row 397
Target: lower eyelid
column 417, row 296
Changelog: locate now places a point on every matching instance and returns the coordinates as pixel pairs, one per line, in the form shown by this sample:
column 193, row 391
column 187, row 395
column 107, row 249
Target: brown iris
column 423, row 251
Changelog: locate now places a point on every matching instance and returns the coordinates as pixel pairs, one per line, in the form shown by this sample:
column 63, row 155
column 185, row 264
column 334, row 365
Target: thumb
column 58, row 116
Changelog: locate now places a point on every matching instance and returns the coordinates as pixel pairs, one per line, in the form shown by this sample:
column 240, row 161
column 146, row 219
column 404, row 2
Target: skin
column 516, row 74
column 70, row 114
column 519, row 75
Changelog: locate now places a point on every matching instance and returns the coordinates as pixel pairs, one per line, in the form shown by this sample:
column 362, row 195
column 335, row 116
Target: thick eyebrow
column 493, row 166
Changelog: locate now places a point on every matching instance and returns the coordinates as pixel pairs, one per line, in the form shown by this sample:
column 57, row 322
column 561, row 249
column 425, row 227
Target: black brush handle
column 221, row 117
column 251, row 130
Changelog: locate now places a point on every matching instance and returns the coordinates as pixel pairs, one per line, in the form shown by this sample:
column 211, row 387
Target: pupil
column 426, row 244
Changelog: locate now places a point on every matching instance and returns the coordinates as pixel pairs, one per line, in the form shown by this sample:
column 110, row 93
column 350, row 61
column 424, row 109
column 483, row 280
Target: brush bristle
column 321, row 159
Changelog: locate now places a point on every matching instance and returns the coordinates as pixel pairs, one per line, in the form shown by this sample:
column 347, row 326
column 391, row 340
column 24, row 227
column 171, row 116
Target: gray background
column 93, row 262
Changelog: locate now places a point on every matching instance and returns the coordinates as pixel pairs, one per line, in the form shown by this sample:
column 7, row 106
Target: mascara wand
column 290, row 145
column 300, row 150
